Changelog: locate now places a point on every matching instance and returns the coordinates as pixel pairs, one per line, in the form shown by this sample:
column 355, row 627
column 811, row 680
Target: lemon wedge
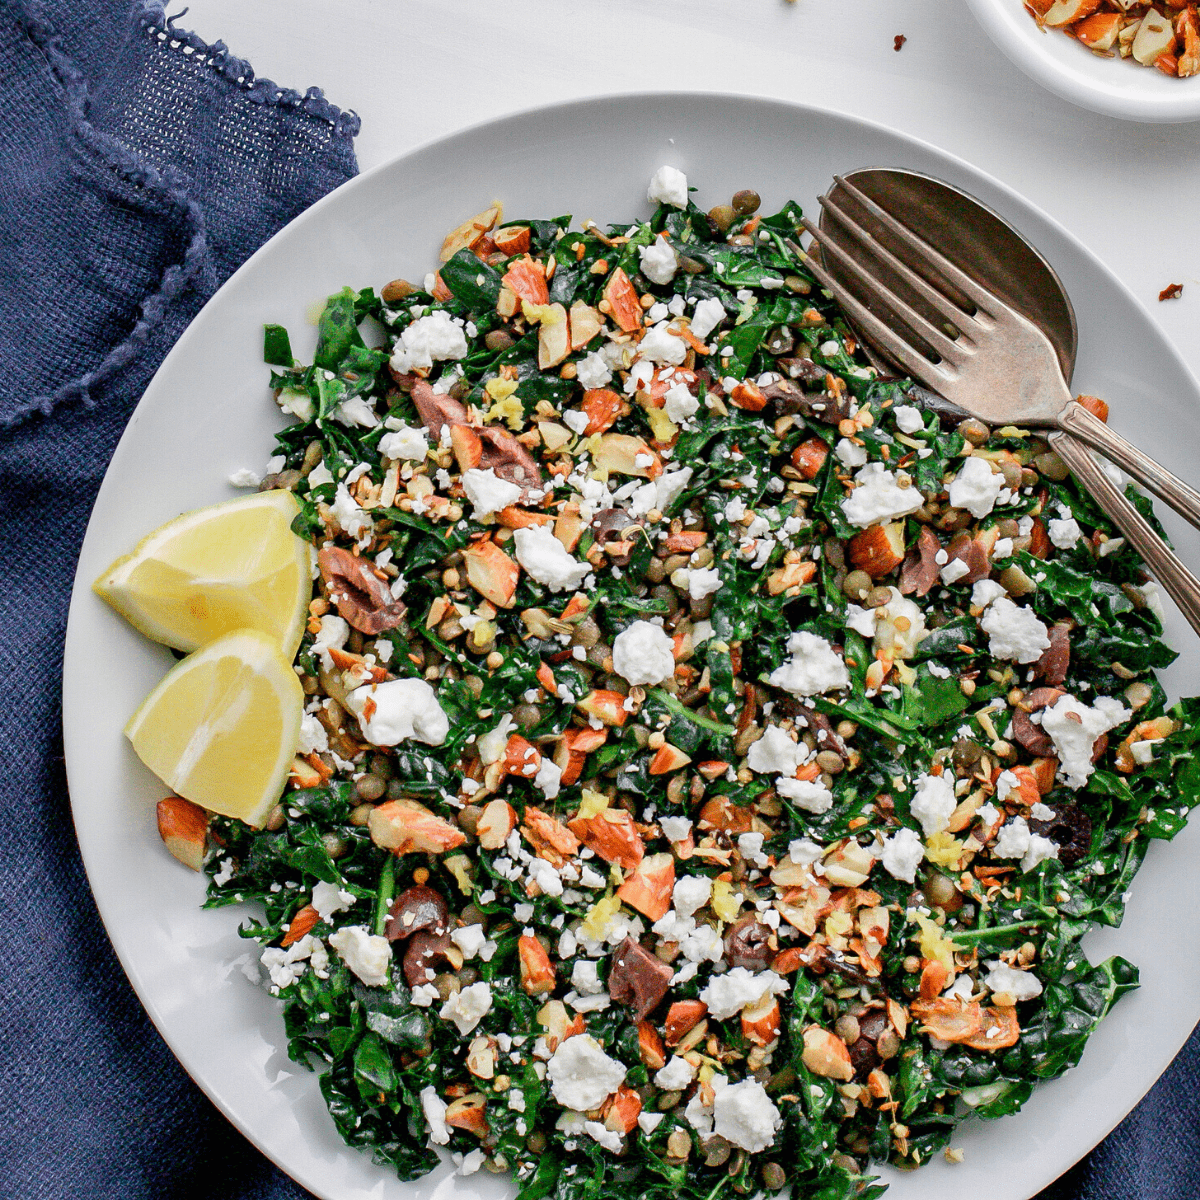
column 235, row 565
column 222, row 727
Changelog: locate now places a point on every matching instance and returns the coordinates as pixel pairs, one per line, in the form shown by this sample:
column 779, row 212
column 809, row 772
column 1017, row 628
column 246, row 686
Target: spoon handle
column 1182, row 497
column 1163, row 563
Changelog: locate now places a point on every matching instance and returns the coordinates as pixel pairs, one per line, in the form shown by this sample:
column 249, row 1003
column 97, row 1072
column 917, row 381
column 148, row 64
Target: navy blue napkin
column 138, row 168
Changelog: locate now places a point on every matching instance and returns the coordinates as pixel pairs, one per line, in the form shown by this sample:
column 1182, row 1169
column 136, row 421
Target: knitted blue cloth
column 138, row 168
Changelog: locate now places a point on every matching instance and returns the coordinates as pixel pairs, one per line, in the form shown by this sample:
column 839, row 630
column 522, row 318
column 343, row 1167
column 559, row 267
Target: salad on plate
column 704, row 760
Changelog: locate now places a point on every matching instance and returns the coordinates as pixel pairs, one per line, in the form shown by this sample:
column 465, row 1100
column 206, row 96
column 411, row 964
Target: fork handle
column 1182, row 497
column 1163, row 563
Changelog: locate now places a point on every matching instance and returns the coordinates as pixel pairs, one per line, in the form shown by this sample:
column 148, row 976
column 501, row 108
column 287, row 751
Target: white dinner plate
column 208, row 412
column 1067, row 68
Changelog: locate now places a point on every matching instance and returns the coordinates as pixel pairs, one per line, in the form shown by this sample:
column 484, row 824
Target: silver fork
column 1000, row 368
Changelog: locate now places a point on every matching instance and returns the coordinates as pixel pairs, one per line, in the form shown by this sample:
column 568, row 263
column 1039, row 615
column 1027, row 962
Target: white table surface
column 417, row 69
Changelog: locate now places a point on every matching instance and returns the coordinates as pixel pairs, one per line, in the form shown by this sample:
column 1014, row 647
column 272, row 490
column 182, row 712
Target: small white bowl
column 1060, row 64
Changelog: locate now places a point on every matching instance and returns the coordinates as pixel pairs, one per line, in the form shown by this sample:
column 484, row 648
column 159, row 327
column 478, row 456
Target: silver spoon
column 991, row 253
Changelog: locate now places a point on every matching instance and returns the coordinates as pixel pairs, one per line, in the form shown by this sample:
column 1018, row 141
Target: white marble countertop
column 418, row 69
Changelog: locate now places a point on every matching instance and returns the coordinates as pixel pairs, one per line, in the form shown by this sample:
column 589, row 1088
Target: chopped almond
column 470, row 233
column 183, row 827
column 949, row 1019
column 878, row 550
column 650, row 1046
column 622, row 300
column 469, row 1113
column 549, row 837
column 825, row 1054
column 512, row 239
column 620, row 1111
column 648, row 887
column 302, row 923
column 761, row 1022
column 526, row 279
column 491, row 572
column 605, row 706
column 405, row 827
column 999, row 1030
column 809, row 457
column 585, row 322
column 612, row 835
column 513, row 517
column 602, row 406
column 682, row 1017
column 521, row 758
column 496, row 822
column 537, row 971
column 668, row 758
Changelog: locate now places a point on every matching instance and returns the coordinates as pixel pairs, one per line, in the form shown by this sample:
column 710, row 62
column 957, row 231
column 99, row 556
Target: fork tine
column 918, row 283
column 946, row 346
column 979, row 295
column 911, row 359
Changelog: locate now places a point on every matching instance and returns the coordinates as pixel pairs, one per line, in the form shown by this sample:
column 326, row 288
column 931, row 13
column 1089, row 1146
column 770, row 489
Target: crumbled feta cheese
column 850, row 454
column 547, row 559
column 976, row 487
column 676, row 1075
column 548, row 778
column 313, row 736
column 399, row 709
column 708, row 315
column 984, row 592
column 690, row 893
column 878, row 497
column 1073, row 727
column 581, row 1075
column 728, row 994
column 469, row 939
column 488, row 492
column 351, row 519
column 434, row 1108
column 909, row 419
column 435, row 336
column 467, row 1007
column 861, row 620
column 746, row 1116
column 675, row 829
column 355, row 411
column 899, row 626
column 809, row 794
column 328, row 898
column 668, row 185
column 933, row 801
column 679, row 403
column 648, row 1122
column 1064, row 533
column 814, row 667
column 659, row 261
column 1153, row 597
column 405, row 443
column 775, row 753
column 585, row 978
column 954, row 570
column 660, row 345
column 698, row 581
column 593, row 372
column 472, row 1161
column 245, row 478
column 643, row 653
column 1014, row 632
column 902, row 854
column 1021, row 985
column 366, row 954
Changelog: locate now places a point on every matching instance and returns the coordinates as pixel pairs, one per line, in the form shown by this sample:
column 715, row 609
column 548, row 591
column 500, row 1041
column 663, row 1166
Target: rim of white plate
column 1065, row 67
column 76, row 702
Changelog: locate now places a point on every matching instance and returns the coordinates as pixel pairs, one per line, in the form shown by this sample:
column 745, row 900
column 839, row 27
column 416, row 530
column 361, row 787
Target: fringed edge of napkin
column 151, row 16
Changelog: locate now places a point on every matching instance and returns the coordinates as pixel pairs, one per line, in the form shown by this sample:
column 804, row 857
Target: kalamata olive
column 1031, row 736
column 863, row 1057
column 1052, row 667
column 965, row 753
column 1070, row 829
column 426, row 951
column 872, row 1023
column 746, row 943
column 637, row 978
column 415, row 909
